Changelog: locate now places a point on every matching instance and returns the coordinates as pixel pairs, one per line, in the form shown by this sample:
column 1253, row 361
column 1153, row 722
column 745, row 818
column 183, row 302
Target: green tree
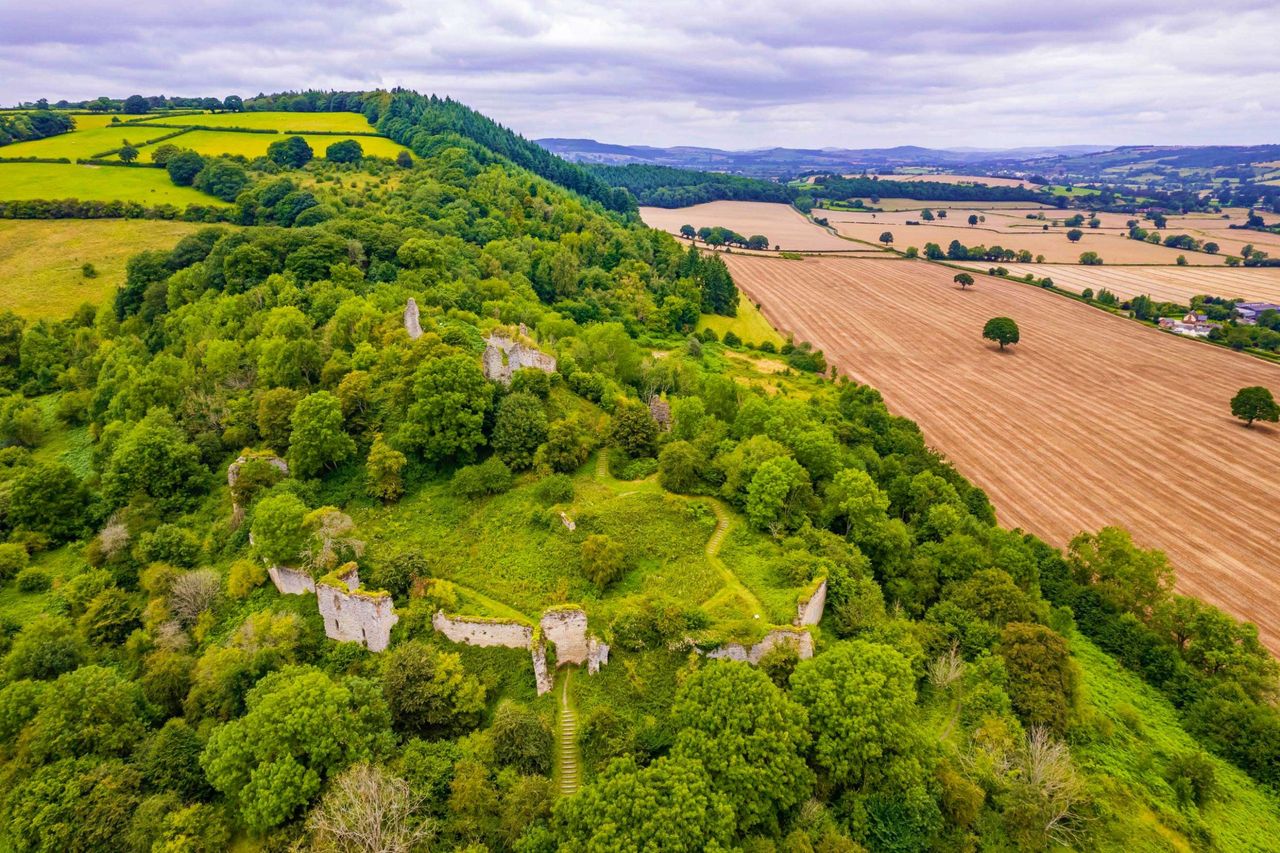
column 1042, row 677
column 1002, row 330
column 300, row 727
column 127, row 154
column 1074, row 235
column 973, row 219
column 429, row 692
column 1091, row 259
column 155, row 460
column 136, row 105
column 569, row 442
column 886, row 237
column 779, row 495
column 519, row 428
column 1255, row 403
column 292, row 152
column 222, row 179
column 345, row 151
column 680, row 466
column 603, row 560
column 184, row 166
column 279, row 529
column 681, row 811
column 750, row 738
column 317, row 439
column 49, row 498
column 404, row 160
column 964, row 280
column 450, row 400
column 719, row 293
column 1127, row 577
column 855, row 504
column 521, row 739
column 383, row 471
column 90, row 711
column 274, row 416
column 633, row 429
column 45, row 648
column 74, row 804
column 861, row 701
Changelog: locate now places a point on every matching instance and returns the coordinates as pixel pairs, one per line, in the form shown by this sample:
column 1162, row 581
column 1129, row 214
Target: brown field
column 1054, row 245
column 1092, row 420
column 1164, row 284
column 917, row 204
column 781, row 223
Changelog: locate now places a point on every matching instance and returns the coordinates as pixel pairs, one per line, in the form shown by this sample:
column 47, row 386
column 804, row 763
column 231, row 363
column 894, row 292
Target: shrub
column 184, row 166
column 13, row 559
column 88, row 270
column 638, row 469
column 244, row 577
column 169, row 543
column 34, row 580
column 490, row 477
column 555, row 489
column 346, row 151
column 603, row 560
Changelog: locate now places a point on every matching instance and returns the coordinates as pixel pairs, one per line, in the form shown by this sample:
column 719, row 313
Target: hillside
column 404, row 497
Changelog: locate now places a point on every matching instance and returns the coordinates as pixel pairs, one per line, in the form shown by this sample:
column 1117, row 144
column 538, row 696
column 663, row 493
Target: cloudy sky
column 744, row 74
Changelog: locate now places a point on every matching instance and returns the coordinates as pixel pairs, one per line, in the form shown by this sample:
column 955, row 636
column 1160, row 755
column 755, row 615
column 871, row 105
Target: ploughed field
column 1164, row 284
column 781, row 223
column 1093, row 420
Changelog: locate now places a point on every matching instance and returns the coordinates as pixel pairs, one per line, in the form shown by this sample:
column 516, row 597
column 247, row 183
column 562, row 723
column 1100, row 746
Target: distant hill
column 775, row 162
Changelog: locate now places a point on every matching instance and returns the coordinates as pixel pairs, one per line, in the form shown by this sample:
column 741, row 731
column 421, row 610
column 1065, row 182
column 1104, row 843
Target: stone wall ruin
column 809, row 610
column 291, row 581
column 355, row 615
column 411, row 322
column 801, row 640
column 503, row 356
column 567, row 630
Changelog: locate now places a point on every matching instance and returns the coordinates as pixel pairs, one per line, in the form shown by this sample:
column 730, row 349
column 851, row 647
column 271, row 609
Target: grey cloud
column 738, row 74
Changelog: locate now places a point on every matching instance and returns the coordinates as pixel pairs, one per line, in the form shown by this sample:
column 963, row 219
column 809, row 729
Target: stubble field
column 781, row 223
column 1093, row 420
column 1164, row 284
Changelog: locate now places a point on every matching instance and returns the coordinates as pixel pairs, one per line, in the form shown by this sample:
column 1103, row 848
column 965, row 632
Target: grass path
column 568, row 761
column 733, row 586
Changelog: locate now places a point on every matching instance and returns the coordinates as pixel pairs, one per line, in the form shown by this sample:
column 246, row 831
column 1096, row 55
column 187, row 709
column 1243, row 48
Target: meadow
column 282, row 121
column 750, row 325
column 40, row 260
column 85, row 143
column 20, row 181
column 212, row 143
column 1090, row 421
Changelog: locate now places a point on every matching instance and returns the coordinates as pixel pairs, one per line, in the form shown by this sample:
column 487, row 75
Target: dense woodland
column 165, row 698
column 665, row 186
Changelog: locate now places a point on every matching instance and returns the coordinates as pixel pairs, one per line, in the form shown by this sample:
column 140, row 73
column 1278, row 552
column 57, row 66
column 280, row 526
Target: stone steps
column 567, row 761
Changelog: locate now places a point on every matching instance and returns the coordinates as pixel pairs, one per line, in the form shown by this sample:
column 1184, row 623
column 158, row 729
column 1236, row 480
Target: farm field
column 781, row 223
column 345, row 122
column 84, row 143
column 958, row 179
column 213, row 143
column 20, row 181
column 1164, row 284
column 1056, row 248
column 1093, row 420
column 40, row 260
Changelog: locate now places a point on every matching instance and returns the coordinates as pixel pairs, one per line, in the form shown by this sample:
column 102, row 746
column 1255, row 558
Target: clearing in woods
column 278, row 120
column 750, row 325
column 40, row 260
column 781, row 223
column 1164, row 284
column 1092, row 420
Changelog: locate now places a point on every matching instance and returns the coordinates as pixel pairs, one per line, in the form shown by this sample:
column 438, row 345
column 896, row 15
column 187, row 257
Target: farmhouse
column 1192, row 325
column 1249, row 312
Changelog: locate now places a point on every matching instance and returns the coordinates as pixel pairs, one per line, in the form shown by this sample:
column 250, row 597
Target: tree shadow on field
column 1259, row 427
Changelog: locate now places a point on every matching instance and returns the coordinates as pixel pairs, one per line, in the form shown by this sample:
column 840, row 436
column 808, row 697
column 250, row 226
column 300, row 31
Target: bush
column 555, row 489
column 346, row 151
column 34, row 580
column 638, row 469
column 490, row 477
column 169, row 543
column 603, row 560
column 184, row 166
column 13, row 559
column 244, row 577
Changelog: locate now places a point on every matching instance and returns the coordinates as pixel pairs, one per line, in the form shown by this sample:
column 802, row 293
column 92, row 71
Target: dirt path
column 1092, row 420
column 568, row 761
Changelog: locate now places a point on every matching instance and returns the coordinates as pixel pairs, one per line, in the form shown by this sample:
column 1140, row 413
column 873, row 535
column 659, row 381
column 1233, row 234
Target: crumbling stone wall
column 541, row 673
column 411, row 322
column 809, row 610
column 291, row 581
column 503, row 356
column 355, row 615
column 483, row 632
column 597, row 655
column 567, row 629
column 801, row 640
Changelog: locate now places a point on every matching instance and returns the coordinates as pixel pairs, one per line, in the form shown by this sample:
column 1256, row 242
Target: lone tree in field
column 964, row 280
column 128, row 154
column 1074, row 235
column 973, row 219
column 1002, row 330
column 886, row 237
column 1254, row 403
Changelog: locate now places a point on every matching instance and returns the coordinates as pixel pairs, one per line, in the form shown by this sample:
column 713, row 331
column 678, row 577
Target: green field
column 19, row 181
column 84, row 143
column 212, row 143
column 40, row 260
column 750, row 325
column 346, row 122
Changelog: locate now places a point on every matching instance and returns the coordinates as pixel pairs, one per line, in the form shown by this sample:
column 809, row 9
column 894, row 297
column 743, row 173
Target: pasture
column 20, row 181
column 959, row 179
column 750, row 325
column 40, row 260
column 1164, row 284
column 781, row 223
column 1092, row 420
column 85, row 143
column 212, row 143
column 282, row 121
